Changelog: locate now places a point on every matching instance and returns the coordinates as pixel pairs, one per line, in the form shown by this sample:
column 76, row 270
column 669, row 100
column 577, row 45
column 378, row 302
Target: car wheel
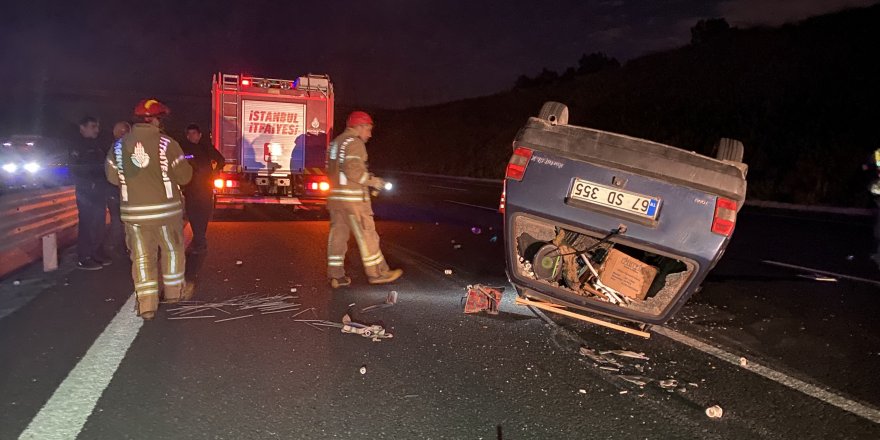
column 729, row 149
column 554, row 112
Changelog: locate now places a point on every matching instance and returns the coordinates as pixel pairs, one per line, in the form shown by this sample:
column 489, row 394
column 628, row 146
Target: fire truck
column 274, row 135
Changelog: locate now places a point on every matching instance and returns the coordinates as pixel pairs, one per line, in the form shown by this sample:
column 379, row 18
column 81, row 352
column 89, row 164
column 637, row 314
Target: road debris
column 582, row 391
column 637, row 380
column 363, row 369
column 191, row 317
column 714, row 412
column 626, row 354
column 375, row 332
column 16, row 283
column 482, row 298
column 248, row 304
column 456, row 246
column 239, row 262
column 668, row 384
column 819, row 277
column 743, row 362
column 447, row 272
column 476, row 230
column 390, row 300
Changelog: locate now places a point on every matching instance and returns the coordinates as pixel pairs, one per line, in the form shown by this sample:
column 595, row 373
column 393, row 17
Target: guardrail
column 27, row 216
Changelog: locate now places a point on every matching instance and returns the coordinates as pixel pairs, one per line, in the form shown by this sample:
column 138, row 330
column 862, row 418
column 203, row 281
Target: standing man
column 204, row 159
column 86, row 156
column 116, row 236
column 149, row 167
column 350, row 207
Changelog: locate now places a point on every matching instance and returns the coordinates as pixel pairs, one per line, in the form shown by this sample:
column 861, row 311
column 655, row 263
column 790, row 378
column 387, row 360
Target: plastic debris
column 239, row 262
column 624, row 392
column 714, row 412
column 668, row 384
column 743, row 362
column 447, row 272
column 293, row 290
column 108, row 300
column 476, row 230
column 626, row 354
column 582, row 391
column 363, row 369
column 482, row 298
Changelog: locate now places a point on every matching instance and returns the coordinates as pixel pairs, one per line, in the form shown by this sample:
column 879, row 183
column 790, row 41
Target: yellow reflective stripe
column 150, row 216
column 358, row 236
column 172, row 260
column 376, row 263
column 374, row 257
column 336, row 257
column 335, row 264
column 346, row 191
column 126, row 208
column 148, row 293
column 346, row 199
column 364, row 178
column 139, row 249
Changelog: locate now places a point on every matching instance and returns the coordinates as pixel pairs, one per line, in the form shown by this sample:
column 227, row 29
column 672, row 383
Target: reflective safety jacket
column 149, row 167
column 350, row 181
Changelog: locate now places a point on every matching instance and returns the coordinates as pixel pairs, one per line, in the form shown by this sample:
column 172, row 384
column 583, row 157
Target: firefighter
column 199, row 201
column 872, row 167
column 149, row 167
column 86, row 156
column 350, row 207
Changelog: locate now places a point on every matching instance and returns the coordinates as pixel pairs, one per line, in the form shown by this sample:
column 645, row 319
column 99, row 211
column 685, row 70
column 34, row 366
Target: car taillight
column 218, row 183
column 503, row 198
column 516, row 168
column 725, row 217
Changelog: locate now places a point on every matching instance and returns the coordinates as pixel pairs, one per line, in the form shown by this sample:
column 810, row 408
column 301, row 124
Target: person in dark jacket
column 199, row 195
column 86, row 168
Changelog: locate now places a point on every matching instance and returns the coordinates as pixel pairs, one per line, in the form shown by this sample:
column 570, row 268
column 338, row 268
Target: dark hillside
column 803, row 99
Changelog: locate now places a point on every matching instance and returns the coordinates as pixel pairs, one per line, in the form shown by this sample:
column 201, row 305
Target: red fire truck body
column 274, row 135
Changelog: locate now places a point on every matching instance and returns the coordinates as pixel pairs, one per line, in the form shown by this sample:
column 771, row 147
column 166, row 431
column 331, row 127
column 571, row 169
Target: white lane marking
column 449, row 187
column 821, row 272
column 66, row 412
column 472, row 206
column 826, row 396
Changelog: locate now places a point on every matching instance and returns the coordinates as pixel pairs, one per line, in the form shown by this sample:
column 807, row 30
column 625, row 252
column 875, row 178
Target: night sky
column 387, row 53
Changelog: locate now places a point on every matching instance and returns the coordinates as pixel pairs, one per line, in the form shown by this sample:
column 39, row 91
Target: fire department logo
column 140, row 158
column 315, row 127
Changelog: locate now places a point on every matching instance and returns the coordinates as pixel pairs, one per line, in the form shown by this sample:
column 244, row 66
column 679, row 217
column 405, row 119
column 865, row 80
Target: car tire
column 554, row 112
column 729, row 149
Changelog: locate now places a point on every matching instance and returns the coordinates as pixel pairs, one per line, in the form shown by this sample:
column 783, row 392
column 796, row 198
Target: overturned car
column 615, row 225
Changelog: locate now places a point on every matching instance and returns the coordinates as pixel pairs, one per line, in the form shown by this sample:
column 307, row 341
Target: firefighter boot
column 189, row 289
column 146, row 306
column 340, row 282
column 387, row 277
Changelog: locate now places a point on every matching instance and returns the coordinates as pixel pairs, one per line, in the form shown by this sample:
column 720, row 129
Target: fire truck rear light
column 245, row 82
column 232, row 184
column 313, row 186
column 324, row 186
column 516, row 168
column 725, row 217
column 218, row 183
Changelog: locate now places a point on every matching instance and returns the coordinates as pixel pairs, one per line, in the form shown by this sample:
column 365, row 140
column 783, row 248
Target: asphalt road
column 445, row 374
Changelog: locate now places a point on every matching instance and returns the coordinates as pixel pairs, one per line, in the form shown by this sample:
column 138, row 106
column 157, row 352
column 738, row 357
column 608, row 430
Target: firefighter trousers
column 356, row 218
column 144, row 242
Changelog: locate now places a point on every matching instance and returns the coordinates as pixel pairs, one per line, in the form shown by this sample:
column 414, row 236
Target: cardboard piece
column 627, row 275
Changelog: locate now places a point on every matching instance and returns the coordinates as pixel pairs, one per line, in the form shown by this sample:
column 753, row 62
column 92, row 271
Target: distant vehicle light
column 218, row 183
column 10, row 168
column 30, row 144
column 32, row 167
column 245, row 82
column 388, row 186
column 324, row 186
column 7, row 144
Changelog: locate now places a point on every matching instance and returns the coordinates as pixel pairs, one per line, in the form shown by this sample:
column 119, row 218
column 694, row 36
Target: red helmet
column 151, row 108
column 358, row 117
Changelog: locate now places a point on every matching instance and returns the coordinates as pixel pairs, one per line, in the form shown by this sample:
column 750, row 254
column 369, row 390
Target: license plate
column 615, row 198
